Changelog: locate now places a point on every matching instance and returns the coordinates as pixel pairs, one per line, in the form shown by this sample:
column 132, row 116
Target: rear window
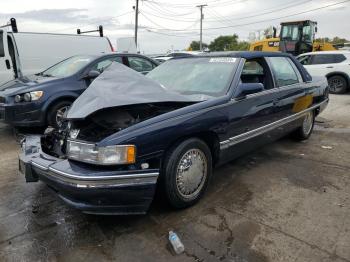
column 2, row 50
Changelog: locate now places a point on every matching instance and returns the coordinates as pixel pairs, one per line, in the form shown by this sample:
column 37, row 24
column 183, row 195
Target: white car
column 335, row 65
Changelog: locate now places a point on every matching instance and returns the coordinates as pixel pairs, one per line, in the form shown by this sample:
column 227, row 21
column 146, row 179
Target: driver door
column 6, row 67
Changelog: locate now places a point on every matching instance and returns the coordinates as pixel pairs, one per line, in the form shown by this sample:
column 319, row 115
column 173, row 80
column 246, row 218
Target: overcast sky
column 166, row 24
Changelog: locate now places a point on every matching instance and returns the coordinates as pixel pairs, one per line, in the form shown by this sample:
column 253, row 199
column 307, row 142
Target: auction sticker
column 222, row 60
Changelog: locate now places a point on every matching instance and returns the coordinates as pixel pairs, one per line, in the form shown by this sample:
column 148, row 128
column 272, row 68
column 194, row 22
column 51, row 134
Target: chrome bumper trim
column 97, row 181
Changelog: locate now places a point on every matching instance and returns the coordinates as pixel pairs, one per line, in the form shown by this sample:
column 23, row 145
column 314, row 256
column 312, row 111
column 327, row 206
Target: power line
column 271, row 19
column 277, row 18
column 170, row 18
column 164, row 10
column 291, row 5
column 185, row 29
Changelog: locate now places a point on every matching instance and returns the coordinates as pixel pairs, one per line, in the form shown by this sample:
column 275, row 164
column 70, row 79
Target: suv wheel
column 186, row 172
column 337, row 84
column 56, row 113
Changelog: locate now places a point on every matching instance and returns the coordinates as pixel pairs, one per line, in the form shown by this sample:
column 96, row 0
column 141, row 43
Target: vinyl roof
column 245, row 54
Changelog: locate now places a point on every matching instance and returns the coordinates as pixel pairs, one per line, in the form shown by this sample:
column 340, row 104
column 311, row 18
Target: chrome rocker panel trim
column 264, row 129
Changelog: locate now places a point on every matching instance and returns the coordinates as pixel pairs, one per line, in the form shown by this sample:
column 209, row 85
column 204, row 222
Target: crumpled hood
column 119, row 85
column 25, row 84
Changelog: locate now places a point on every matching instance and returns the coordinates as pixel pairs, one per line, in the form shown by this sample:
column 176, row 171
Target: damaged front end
column 86, row 177
column 102, row 124
column 89, row 173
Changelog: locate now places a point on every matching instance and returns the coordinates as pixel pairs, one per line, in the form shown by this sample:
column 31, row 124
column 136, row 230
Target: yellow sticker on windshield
column 222, row 60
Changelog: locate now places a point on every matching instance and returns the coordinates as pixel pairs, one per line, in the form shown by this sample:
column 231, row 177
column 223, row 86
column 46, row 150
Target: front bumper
column 22, row 115
column 91, row 189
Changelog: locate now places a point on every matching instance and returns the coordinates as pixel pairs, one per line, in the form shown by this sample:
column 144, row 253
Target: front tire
column 304, row 131
column 186, row 172
column 56, row 113
column 337, row 84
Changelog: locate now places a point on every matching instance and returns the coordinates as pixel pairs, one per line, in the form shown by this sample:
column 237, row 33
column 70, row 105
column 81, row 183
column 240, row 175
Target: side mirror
column 245, row 89
column 92, row 74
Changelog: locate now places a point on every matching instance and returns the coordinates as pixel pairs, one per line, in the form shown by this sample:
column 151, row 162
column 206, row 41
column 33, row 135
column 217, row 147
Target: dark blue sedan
column 128, row 134
column 43, row 99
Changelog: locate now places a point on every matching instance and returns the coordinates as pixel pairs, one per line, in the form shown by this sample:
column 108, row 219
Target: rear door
column 294, row 95
column 6, row 71
column 250, row 118
column 321, row 64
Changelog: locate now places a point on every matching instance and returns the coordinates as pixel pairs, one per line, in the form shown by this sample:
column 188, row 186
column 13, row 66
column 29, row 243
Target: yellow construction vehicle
column 295, row 38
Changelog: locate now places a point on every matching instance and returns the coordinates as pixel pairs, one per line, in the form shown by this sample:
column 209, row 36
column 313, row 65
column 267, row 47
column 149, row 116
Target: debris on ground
column 35, row 208
column 176, row 243
column 327, row 147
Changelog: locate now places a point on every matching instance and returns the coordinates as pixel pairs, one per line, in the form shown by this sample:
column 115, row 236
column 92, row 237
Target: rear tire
column 337, row 84
column 186, row 172
column 56, row 113
column 305, row 130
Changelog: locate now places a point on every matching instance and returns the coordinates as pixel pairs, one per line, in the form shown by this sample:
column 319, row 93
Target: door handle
column 7, row 62
column 329, row 67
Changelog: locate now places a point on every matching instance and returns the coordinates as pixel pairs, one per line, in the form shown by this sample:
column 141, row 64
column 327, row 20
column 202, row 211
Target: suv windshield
column 203, row 75
column 68, row 66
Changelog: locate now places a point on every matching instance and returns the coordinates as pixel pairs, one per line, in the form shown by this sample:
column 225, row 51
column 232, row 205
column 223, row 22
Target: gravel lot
column 287, row 201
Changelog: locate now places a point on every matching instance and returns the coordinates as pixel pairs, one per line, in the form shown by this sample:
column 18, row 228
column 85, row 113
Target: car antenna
column 13, row 25
column 100, row 30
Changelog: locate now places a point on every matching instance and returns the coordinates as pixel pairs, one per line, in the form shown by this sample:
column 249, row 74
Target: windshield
column 205, row 75
column 290, row 32
column 68, row 67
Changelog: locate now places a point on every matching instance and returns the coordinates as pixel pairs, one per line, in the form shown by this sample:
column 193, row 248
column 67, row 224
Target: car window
column 2, row 50
column 327, row 59
column 100, row 66
column 304, row 60
column 339, row 58
column 283, row 71
column 252, row 68
column 140, row 64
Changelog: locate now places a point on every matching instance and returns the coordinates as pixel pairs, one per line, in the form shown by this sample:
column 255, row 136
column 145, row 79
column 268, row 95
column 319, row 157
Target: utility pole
column 136, row 20
column 201, row 28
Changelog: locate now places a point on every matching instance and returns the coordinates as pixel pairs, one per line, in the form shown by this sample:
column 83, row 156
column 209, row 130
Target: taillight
column 110, row 44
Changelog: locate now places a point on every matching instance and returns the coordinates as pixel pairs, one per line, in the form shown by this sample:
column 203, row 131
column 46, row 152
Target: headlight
column 109, row 155
column 30, row 96
column 18, row 98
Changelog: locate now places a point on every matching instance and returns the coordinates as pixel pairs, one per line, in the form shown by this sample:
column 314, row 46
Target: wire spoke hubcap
column 307, row 123
column 191, row 173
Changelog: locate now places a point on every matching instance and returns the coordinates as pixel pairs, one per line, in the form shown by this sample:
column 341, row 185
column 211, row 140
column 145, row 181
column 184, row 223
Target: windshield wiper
column 46, row 75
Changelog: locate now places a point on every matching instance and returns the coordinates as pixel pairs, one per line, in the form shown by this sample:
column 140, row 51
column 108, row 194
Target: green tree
column 336, row 40
column 194, row 46
column 228, row 43
column 339, row 41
